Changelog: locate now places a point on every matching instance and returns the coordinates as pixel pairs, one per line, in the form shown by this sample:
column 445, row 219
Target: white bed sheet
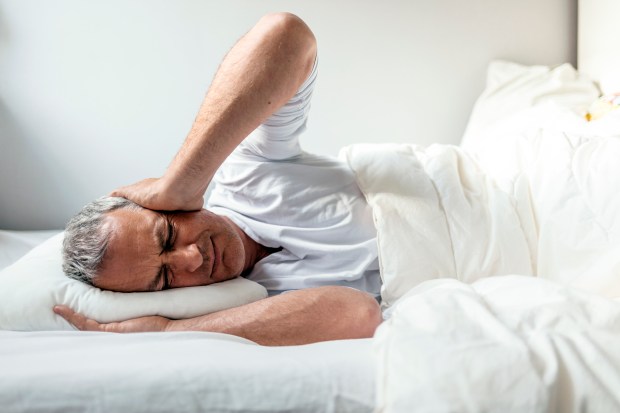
column 180, row 372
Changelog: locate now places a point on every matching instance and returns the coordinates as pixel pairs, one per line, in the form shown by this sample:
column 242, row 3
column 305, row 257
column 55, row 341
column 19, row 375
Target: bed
column 500, row 260
column 61, row 371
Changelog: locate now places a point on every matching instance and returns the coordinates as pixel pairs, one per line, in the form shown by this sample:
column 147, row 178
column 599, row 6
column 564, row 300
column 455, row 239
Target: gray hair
column 86, row 239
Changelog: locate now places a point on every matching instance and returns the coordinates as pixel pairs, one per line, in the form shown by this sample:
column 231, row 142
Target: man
column 291, row 221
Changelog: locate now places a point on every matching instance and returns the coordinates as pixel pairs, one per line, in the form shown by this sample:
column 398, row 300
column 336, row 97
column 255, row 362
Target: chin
column 230, row 277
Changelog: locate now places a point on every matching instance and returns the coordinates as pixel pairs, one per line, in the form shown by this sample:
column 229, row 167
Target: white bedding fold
column 437, row 215
column 501, row 344
column 565, row 172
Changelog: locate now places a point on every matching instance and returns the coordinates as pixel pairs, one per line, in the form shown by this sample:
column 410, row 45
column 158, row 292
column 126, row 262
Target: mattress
column 180, row 372
column 63, row 371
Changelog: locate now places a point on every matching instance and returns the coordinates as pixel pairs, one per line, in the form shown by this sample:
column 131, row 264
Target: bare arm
column 258, row 76
column 299, row 317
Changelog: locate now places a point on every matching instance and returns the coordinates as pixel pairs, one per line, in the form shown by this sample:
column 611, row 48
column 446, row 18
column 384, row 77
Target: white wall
column 599, row 53
column 95, row 94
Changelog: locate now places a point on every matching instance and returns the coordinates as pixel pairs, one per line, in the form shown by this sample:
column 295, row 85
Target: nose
column 188, row 258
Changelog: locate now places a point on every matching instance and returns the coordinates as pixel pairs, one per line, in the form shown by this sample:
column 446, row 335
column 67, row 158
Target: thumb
column 119, row 192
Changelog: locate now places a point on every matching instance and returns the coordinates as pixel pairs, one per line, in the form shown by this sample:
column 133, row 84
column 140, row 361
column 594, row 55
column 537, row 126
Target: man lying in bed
column 279, row 216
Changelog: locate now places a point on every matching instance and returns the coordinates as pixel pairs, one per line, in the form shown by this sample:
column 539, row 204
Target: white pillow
column 512, row 88
column 33, row 285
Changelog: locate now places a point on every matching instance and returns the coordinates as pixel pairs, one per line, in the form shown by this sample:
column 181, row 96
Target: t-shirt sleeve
column 278, row 137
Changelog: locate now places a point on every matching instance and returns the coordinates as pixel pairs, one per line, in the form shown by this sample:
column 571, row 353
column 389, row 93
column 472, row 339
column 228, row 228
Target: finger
column 141, row 192
column 76, row 319
column 68, row 314
column 119, row 192
column 63, row 311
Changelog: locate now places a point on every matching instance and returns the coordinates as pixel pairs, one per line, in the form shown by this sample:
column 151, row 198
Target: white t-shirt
column 309, row 205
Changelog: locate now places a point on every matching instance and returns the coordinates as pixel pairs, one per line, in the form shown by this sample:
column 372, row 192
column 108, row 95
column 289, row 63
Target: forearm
column 299, row 317
column 259, row 75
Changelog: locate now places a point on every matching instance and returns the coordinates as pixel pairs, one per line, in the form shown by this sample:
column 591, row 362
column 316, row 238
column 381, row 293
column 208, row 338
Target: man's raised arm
column 259, row 74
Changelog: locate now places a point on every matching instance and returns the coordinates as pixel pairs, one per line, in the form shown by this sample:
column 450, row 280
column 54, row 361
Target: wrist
column 168, row 326
column 183, row 187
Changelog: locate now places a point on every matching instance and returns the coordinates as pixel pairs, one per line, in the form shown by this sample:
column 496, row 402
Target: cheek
column 233, row 256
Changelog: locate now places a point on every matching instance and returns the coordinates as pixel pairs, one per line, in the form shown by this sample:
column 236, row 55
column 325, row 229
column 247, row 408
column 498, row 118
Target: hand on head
column 157, row 194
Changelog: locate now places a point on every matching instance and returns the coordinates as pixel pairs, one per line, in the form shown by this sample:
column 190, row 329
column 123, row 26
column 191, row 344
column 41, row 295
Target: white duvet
column 437, row 215
column 455, row 225
column 501, row 344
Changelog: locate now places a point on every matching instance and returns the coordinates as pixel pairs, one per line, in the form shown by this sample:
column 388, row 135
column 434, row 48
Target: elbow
column 293, row 34
column 289, row 26
column 353, row 313
column 369, row 316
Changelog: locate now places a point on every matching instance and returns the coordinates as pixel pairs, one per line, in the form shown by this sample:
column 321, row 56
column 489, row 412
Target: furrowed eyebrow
column 153, row 286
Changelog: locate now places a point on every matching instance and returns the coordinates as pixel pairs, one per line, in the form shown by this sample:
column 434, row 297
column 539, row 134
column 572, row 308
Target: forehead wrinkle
column 160, row 233
column 144, row 237
column 132, row 253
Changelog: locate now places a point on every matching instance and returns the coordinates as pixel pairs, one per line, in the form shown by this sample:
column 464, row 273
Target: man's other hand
column 134, row 325
column 156, row 194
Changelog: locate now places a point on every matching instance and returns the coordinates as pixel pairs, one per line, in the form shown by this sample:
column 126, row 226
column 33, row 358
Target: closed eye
column 167, row 237
column 170, row 234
